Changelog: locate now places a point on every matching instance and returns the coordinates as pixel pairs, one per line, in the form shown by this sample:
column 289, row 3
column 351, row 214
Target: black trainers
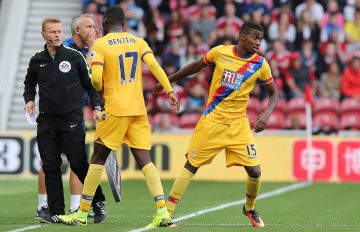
column 42, row 213
column 50, row 220
column 99, row 212
column 254, row 218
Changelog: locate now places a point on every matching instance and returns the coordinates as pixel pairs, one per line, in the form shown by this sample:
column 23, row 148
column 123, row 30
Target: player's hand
column 97, row 114
column 261, row 121
column 157, row 89
column 174, row 101
column 30, row 107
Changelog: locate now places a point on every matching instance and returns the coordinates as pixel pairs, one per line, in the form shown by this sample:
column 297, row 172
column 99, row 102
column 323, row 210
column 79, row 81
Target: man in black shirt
column 61, row 74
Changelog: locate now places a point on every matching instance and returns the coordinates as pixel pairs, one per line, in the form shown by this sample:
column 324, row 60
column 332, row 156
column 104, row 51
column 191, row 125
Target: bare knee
column 253, row 171
column 100, row 154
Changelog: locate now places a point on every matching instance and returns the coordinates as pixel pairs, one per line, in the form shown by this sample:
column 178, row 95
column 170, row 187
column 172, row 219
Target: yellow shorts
column 134, row 131
column 210, row 137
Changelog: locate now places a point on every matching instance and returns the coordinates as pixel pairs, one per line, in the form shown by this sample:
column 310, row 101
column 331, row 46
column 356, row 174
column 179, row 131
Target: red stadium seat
column 296, row 105
column 326, row 105
column 350, row 105
column 254, row 104
column 189, row 120
column 281, row 106
column 350, row 121
column 326, row 119
column 158, row 117
column 276, row 120
column 295, row 118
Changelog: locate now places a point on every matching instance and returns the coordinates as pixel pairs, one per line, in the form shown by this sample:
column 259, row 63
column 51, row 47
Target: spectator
column 332, row 53
column 280, row 54
column 349, row 9
column 306, row 29
column 350, row 84
column 173, row 55
column 352, row 31
column 175, row 27
column 206, row 25
column 298, row 76
column 333, row 9
column 283, row 30
column 330, row 82
column 309, row 54
column 229, row 20
column 134, row 17
column 332, row 27
column 189, row 56
column 315, row 9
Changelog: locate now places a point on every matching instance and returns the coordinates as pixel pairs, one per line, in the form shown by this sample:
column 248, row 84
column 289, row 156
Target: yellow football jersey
column 233, row 79
column 121, row 54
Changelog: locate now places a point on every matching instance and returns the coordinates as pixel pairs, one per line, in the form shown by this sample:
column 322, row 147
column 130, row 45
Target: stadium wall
column 283, row 158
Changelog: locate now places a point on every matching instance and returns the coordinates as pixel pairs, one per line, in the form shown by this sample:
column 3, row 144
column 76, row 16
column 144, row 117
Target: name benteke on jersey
column 121, row 41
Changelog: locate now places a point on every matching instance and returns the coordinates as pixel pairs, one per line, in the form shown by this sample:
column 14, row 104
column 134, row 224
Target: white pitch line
column 278, row 225
column 240, row 202
column 26, row 228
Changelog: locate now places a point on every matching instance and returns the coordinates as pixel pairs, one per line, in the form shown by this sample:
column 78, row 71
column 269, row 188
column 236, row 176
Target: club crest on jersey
column 231, row 79
column 65, row 66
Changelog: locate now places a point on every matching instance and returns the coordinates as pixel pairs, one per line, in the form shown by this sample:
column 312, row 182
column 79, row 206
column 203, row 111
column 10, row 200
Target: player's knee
column 255, row 173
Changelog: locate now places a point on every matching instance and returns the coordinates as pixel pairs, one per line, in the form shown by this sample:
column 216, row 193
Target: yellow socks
column 179, row 187
column 92, row 181
column 252, row 190
column 154, row 184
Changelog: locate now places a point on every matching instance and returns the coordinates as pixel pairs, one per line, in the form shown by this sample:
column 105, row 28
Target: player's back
column 121, row 54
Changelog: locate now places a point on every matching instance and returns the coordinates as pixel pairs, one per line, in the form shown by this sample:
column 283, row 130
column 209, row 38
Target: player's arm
column 188, row 70
column 158, row 72
column 262, row 119
column 160, row 75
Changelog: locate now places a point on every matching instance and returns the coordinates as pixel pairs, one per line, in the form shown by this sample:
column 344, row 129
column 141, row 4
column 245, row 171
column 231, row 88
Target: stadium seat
column 189, row 120
column 296, row 105
column 326, row 119
column 281, row 106
column 276, row 120
column 330, row 105
column 296, row 120
column 350, row 121
column 349, row 105
column 159, row 117
column 254, row 104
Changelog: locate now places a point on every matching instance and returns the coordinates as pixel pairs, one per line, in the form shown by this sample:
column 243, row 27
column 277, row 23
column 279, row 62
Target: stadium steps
column 33, row 42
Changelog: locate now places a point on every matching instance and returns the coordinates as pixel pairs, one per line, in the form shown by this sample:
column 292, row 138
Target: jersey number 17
column 134, row 56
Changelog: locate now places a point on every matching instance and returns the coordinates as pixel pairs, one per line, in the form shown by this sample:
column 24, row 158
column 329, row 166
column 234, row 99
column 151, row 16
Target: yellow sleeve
column 266, row 76
column 158, row 72
column 211, row 55
column 97, row 66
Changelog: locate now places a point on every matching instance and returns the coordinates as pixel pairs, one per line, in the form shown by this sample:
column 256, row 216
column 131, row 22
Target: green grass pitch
column 318, row 207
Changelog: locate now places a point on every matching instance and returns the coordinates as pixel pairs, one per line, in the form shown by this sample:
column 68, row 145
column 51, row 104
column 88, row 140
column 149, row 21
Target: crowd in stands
column 307, row 43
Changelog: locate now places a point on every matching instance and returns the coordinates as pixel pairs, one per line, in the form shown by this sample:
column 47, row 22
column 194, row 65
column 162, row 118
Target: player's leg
column 74, row 143
column 42, row 210
column 180, row 185
column 204, row 145
column 108, row 136
column 241, row 151
column 138, row 139
column 75, row 191
column 252, row 190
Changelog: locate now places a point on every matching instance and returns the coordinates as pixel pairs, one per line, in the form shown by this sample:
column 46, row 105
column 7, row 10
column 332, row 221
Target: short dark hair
column 114, row 15
column 250, row 25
